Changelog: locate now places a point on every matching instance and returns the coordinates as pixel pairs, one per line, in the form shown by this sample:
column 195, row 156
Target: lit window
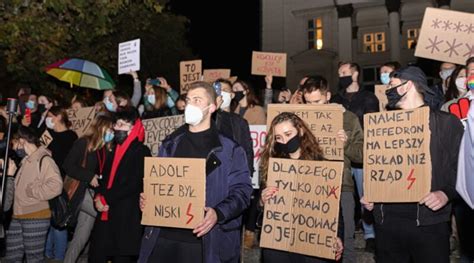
column 374, row 42
column 315, row 33
column 412, row 37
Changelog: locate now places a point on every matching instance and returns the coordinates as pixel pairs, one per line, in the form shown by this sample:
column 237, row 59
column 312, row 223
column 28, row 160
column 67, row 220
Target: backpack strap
column 41, row 161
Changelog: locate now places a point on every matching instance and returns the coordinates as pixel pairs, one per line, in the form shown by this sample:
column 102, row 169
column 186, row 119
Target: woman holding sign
column 289, row 137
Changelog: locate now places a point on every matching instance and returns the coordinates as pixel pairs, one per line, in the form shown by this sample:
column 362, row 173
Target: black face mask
column 180, row 112
column 20, row 152
column 345, row 82
column 239, row 95
column 41, row 108
column 291, row 146
column 393, row 97
column 120, row 136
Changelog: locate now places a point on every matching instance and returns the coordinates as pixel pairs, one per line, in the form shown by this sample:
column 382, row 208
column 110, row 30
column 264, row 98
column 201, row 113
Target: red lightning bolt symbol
column 191, row 216
column 411, row 178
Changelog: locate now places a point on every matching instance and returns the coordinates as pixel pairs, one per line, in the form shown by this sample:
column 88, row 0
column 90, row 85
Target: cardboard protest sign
column 81, row 119
column 303, row 215
column 258, row 133
column 175, row 190
column 266, row 63
column 46, row 138
column 189, row 72
column 323, row 120
column 397, row 160
column 157, row 129
column 211, row 75
column 129, row 56
column 446, row 35
column 381, row 96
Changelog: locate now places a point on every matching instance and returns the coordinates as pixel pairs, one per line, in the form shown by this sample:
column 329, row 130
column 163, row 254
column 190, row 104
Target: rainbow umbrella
column 82, row 73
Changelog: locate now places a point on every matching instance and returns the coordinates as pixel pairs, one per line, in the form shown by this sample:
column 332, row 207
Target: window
column 412, row 37
column 370, row 77
column 315, row 33
column 374, row 42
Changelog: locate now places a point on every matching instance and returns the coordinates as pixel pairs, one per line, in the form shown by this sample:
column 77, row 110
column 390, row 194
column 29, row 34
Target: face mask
column 239, row 95
column 169, row 102
column 120, row 136
column 49, row 123
column 291, row 146
column 461, row 84
column 193, row 115
column 20, row 152
column 226, row 99
column 41, row 108
column 108, row 137
column 393, row 97
column 385, row 78
column 109, row 105
column 445, row 73
column 345, row 82
column 151, row 99
column 30, row 104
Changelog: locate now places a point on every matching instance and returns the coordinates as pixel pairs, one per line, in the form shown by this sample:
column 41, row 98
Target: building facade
column 317, row 34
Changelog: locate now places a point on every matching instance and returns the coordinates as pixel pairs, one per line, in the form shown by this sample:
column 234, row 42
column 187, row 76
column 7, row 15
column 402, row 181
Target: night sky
column 228, row 45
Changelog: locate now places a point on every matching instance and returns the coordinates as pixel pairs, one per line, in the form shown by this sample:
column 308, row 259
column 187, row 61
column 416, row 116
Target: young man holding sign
column 419, row 232
column 228, row 187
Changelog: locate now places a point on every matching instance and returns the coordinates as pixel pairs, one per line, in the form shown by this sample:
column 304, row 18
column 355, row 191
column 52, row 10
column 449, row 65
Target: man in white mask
column 228, row 187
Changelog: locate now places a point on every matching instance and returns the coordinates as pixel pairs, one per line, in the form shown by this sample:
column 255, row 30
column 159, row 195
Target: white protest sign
column 129, row 56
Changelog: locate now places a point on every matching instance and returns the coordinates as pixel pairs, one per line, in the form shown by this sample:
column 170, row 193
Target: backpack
column 62, row 213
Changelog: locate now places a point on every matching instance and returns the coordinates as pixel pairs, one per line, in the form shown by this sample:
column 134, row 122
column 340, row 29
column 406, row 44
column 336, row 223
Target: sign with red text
column 189, row 72
column 446, row 35
column 323, row 120
column 157, row 129
column 266, row 63
column 211, row 75
column 175, row 190
column 81, row 119
column 258, row 133
column 397, row 160
column 302, row 217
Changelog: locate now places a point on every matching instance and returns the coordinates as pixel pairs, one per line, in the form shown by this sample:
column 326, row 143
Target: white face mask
column 226, row 99
column 49, row 123
column 193, row 115
column 445, row 73
column 461, row 84
column 151, row 99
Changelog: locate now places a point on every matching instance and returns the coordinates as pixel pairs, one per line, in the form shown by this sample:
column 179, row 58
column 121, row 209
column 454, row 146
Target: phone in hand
column 154, row 82
column 28, row 115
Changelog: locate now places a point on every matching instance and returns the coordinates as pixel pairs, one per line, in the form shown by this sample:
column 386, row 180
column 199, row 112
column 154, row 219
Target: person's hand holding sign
column 342, row 135
column 209, row 221
column 435, row 200
column 369, row 206
column 267, row 193
column 339, row 249
column 142, row 201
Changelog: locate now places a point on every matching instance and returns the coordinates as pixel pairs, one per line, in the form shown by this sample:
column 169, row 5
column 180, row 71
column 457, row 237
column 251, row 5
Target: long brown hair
column 95, row 133
column 252, row 99
column 310, row 149
column 160, row 97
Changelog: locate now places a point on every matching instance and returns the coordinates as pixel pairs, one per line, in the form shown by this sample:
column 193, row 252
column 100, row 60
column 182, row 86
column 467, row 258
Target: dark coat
column 228, row 190
column 361, row 102
column 236, row 128
column 122, row 232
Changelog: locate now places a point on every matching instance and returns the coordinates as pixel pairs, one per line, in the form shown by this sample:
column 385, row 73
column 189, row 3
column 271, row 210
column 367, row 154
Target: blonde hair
column 95, row 133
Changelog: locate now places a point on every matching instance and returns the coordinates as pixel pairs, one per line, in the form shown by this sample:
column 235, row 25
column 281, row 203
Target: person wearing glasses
column 117, row 229
column 419, row 232
column 228, row 188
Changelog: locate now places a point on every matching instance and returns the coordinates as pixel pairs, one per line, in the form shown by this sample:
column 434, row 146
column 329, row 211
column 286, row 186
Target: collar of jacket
column 179, row 133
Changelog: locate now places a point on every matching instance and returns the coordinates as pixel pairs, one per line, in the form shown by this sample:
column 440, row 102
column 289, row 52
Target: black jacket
column 446, row 133
column 237, row 128
column 360, row 103
column 121, row 233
